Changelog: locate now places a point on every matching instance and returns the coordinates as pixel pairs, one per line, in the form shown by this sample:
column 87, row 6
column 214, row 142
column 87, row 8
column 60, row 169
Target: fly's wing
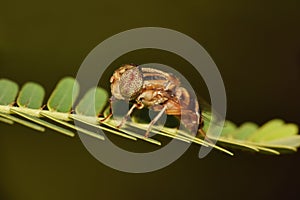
column 206, row 113
column 191, row 120
column 189, row 117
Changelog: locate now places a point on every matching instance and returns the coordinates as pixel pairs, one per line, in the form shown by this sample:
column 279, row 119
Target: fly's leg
column 110, row 110
column 107, row 117
column 156, row 118
column 202, row 133
column 125, row 118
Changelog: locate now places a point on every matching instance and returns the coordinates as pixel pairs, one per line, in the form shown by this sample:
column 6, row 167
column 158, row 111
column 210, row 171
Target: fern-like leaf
column 274, row 137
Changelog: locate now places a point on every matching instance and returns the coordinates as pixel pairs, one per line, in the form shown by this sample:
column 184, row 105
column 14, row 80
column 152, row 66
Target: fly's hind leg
column 156, row 118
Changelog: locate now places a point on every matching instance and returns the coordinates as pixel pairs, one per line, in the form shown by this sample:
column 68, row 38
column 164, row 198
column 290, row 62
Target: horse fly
column 157, row 90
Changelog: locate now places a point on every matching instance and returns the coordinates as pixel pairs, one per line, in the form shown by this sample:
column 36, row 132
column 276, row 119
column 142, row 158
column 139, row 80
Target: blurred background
column 255, row 44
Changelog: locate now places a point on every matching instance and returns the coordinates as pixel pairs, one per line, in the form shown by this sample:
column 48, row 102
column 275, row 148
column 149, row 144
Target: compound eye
column 131, row 83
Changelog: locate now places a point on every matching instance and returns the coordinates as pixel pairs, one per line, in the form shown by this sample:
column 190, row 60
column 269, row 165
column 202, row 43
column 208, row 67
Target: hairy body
column 157, row 90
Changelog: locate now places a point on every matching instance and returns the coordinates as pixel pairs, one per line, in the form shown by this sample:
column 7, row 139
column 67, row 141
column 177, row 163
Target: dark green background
column 255, row 44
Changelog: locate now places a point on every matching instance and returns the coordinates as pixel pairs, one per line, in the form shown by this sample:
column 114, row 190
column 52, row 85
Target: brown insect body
column 157, row 90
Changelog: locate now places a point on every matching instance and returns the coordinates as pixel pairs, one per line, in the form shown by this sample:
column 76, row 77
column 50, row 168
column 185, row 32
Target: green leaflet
column 64, row 95
column 228, row 128
column 266, row 129
column 8, row 91
column 293, row 141
column 244, row 131
column 283, row 131
column 274, row 134
column 93, row 102
column 31, row 96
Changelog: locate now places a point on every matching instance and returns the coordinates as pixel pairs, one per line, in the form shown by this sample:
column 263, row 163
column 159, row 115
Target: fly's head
column 127, row 82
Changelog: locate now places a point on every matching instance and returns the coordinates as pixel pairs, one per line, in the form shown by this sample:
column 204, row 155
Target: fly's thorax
column 154, row 78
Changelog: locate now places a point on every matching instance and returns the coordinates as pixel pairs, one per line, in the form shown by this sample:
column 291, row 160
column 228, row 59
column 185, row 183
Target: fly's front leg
column 156, row 118
column 110, row 110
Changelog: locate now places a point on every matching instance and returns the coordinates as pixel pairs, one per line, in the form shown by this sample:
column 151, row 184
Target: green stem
column 91, row 121
column 23, row 122
column 8, row 121
column 44, row 123
column 92, row 134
